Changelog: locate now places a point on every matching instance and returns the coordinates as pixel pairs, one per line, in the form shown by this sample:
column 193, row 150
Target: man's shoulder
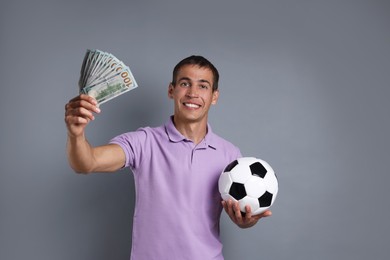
column 153, row 133
column 154, row 130
column 221, row 142
column 141, row 133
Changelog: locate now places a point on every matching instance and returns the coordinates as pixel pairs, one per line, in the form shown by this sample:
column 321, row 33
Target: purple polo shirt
column 178, row 205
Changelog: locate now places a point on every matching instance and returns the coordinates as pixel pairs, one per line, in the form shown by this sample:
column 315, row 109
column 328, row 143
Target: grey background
column 304, row 86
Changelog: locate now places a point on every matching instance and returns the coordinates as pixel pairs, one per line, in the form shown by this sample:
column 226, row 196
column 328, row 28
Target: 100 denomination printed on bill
column 104, row 77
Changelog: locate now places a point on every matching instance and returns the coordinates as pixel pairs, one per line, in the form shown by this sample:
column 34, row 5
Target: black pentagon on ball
column 265, row 200
column 237, row 190
column 231, row 166
column 258, row 169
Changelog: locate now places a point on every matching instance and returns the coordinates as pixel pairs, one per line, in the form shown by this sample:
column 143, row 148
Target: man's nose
column 192, row 92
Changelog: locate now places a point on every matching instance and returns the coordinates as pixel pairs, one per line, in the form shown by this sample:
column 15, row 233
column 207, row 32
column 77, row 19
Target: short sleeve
column 133, row 144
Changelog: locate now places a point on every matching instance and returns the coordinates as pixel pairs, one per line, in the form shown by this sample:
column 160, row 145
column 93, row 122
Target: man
column 176, row 168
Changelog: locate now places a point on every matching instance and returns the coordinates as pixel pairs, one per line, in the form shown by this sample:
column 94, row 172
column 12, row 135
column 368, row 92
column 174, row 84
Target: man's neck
column 194, row 131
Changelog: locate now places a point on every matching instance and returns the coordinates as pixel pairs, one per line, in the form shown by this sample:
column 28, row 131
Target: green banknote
column 104, row 77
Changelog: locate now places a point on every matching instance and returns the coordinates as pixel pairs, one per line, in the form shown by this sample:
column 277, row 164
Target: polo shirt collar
column 175, row 136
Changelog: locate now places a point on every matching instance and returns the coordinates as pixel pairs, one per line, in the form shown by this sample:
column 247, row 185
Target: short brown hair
column 202, row 63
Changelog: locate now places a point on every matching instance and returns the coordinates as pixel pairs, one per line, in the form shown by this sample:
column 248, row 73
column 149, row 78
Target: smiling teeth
column 191, row 105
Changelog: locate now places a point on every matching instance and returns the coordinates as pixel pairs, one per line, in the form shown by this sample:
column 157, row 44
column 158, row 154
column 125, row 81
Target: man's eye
column 203, row 87
column 184, row 84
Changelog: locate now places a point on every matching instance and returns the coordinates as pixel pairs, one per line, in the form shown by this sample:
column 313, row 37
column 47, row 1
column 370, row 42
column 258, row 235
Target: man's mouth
column 191, row 105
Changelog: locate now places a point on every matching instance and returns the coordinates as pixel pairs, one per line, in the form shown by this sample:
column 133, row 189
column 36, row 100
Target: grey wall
column 304, row 86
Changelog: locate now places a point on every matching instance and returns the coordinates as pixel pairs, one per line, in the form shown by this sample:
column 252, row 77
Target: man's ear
column 215, row 97
column 170, row 90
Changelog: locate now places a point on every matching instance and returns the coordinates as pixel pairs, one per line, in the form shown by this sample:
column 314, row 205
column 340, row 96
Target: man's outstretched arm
column 83, row 157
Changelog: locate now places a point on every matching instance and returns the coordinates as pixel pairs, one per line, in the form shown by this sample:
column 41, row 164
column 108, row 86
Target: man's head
column 200, row 62
column 193, row 90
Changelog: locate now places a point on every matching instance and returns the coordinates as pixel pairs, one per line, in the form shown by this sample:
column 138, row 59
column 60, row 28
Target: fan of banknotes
column 104, row 77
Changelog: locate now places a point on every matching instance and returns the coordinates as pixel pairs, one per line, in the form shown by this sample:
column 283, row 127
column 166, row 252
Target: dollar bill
column 104, row 77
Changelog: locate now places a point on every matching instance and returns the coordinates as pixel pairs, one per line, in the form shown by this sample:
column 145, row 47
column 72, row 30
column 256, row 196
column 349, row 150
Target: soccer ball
column 250, row 181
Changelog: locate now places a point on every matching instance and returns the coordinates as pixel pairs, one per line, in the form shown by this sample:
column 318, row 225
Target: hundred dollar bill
column 88, row 64
column 104, row 77
column 110, row 88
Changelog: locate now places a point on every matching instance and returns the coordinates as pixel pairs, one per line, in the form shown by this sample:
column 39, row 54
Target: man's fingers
column 85, row 101
column 266, row 213
column 84, row 97
column 230, row 208
column 77, row 120
column 248, row 214
column 80, row 109
column 82, row 103
column 237, row 212
column 246, row 220
column 81, row 112
column 225, row 206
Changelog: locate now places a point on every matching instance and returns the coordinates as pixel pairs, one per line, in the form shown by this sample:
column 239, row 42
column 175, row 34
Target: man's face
column 193, row 94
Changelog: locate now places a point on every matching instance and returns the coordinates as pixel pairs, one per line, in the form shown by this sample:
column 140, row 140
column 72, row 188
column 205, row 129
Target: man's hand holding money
column 79, row 111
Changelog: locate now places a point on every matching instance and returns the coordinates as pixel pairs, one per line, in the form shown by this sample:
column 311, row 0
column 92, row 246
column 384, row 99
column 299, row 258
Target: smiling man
column 176, row 168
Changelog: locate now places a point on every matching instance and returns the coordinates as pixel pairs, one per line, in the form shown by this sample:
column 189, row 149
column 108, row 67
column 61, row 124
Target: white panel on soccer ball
column 252, row 202
column 274, row 196
column 226, row 197
column 224, row 182
column 271, row 182
column 255, row 187
column 240, row 173
column 247, row 160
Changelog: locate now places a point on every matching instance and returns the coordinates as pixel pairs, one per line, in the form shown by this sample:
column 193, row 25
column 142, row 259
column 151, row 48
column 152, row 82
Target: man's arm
column 82, row 157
